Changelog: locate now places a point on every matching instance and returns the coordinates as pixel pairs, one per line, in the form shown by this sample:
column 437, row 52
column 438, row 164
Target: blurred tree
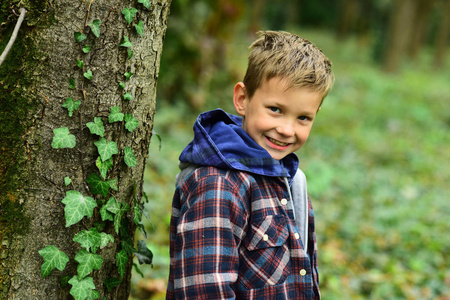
column 419, row 30
column 443, row 35
column 348, row 13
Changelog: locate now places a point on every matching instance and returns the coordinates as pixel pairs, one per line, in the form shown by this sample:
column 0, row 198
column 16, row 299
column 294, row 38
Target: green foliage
column 112, row 282
column 127, row 96
column 126, row 43
column 139, row 27
column 86, row 49
column 72, row 83
column 92, row 240
column 114, row 211
column 53, row 258
column 95, row 27
column 128, row 75
column 146, row 3
column 130, row 122
column 130, row 53
column 82, row 289
column 129, row 157
column 77, row 207
column 87, row 262
column 144, row 255
column 99, row 186
column 96, row 127
column 67, row 180
column 80, row 64
column 79, row 37
column 128, row 14
column 88, row 74
column 115, row 115
column 121, row 261
column 104, row 166
column 71, row 105
column 106, row 148
column 121, row 85
column 62, row 138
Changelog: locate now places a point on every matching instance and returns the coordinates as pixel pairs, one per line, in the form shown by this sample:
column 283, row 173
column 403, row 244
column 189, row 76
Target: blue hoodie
column 219, row 141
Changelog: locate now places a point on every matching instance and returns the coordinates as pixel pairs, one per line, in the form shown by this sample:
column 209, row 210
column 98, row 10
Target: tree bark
column 442, row 36
column 422, row 13
column 34, row 83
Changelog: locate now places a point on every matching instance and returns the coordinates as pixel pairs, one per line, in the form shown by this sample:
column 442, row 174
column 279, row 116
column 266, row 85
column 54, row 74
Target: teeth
column 278, row 143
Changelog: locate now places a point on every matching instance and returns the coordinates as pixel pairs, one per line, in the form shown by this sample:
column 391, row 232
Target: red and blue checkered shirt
column 233, row 235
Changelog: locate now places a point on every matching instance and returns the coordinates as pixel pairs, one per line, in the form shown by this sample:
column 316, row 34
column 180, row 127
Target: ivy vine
column 78, row 206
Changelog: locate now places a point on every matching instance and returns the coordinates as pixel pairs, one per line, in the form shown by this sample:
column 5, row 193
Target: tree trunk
column 400, row 33
column 442, row 36
column 423, row 9
column 37, row 77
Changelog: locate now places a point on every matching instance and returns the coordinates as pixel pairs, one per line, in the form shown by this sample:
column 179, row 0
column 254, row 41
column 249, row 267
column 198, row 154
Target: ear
column 240, row 98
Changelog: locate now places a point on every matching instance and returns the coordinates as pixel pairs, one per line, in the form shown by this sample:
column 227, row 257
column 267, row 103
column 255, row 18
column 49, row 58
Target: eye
column 275, row 109
column 303, row 118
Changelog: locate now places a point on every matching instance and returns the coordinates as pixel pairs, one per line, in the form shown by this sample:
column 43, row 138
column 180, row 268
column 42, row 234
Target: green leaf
column 121, row 261
column 113, row 184
column 80, row 64
column 53, row 258
column 146, row 3
column 129, row 157
column 130, row 122
column 105, row 239
column 64, row 280
column 106, row 149
column 143, row 254
column 67, row 180
column 117, row 209
column 105, row 214
column 111, row 283
column 95, row 27
column 72, row 83
column 96, row 127
column 115, row 115
column 127, row 96
column 128, row 75
column 89, row 240
column 77, row 206
column 94, row 295
column 71, row 105
column 130, row 53
column 104, row 166
column 136, row 268
column 154, row 133
column 87, row 262
column 97, row 185
column 81, row 289
column 88, row 74
column 139, row 27
column 126, row 42
column 86, row 49
column 62, row 138
column 121, row 85
column 128, row 14
column 79, row 37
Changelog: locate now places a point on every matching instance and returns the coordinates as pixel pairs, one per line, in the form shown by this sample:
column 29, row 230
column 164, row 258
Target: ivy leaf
column 106, row 149
column 130, row 122
column 115, row 115
column 126, row 42
column 53, row 258
column 130, row 53
column 111, row 283
column 128, row 14
column 97, row 185
column 86, row 49
column 81, row 289
column 121, row 85
column 79, row 37
column 103, row 166
column 87, row 262
column 77, row 206
column 88, row 74
column 143, row 254
column 129, row 157
column 128, row 75
column 62, row 138
column 146, row 3
column 105, row 214
column 71, row 84
column 139, row 27
column 71, row 105
column 113, row 184
column 94, row 295
column 64, row 280
column 127, row 96
column 80, row 64
column 117, row 209
column 121, row 261
column 105, row 239
column 89, row 240
column 95, row 27
column 96, row 127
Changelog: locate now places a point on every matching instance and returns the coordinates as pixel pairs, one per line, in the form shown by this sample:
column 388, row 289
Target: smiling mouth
column 278, row 143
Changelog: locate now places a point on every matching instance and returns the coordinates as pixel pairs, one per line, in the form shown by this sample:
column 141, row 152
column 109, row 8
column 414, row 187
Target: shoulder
column 208, row 174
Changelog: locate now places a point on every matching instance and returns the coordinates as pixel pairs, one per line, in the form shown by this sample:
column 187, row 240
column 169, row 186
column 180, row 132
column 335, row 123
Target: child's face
column 278, row 119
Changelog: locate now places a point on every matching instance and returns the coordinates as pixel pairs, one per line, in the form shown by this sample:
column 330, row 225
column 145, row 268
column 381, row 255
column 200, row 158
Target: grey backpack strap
column 300, row 200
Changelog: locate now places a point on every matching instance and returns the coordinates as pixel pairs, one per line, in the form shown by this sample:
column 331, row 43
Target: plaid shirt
column 233, row 236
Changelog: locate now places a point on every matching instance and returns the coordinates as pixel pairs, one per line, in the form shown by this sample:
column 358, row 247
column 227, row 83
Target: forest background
column 377, row 160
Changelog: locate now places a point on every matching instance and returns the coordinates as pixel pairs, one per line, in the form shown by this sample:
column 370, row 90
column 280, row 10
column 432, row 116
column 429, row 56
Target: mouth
column 277, row 143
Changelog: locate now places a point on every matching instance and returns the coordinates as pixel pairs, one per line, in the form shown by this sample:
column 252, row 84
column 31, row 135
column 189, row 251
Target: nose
column 285, row 129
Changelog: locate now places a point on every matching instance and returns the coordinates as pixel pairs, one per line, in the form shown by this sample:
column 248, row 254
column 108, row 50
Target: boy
column 242, row 225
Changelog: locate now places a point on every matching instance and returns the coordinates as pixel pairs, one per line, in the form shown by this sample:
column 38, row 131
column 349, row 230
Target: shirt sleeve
column 312, row 250
column 205, row 241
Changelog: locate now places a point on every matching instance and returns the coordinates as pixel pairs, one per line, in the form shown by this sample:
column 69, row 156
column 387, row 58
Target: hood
column 219, row 141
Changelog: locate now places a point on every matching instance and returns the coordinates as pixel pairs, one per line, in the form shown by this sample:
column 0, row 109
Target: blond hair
column 290, row 57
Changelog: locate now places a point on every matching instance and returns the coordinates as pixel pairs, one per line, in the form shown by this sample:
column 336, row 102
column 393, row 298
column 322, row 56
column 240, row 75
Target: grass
column 377, row 164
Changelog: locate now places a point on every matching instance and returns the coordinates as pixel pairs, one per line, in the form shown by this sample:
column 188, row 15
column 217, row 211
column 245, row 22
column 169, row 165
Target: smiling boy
column 242, row 224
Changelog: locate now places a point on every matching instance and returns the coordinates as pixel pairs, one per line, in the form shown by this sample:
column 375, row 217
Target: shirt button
column 265, row 237
column 283, row 201
column 303, row 272
column 297, row 236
